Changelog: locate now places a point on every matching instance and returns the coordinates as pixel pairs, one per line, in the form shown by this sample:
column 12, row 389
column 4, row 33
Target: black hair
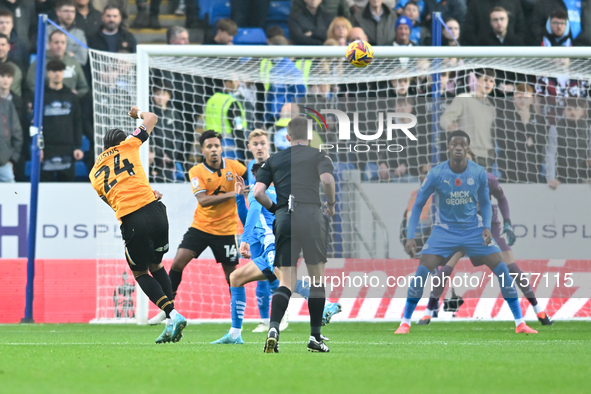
column 411, row 2
column 55, row 65
column 297, row 129
column 207, row 134
column 559, row 14
column 458, row 133
column 485, row 72
column 113, row 138
column 255, row 168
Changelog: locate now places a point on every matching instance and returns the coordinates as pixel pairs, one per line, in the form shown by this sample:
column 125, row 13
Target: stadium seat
column 85, row 144
column 81, row 172
column 371, row 172
column 204, row 6
column 179, row 174
column 278, row 11
column 219, row 9
column 250, row 36
column 230, row 151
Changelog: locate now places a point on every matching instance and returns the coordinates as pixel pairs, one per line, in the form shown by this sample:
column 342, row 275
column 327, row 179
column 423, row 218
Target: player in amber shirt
column 215, row 222
column 119, row 179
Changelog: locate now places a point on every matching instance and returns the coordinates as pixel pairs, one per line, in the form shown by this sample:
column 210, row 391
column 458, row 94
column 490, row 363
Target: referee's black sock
column 316, row 308
column 154, row 291
column 162, row 277
column 175, row 280
column 279, row 306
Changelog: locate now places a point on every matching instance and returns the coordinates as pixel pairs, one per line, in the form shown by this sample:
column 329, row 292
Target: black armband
column 141, row 133
column 273, row 208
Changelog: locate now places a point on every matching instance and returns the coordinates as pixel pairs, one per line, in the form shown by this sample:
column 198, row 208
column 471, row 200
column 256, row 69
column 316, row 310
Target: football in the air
column 359, row 53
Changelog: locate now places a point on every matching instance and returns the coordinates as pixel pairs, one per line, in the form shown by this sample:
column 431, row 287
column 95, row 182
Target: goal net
column 527, row 117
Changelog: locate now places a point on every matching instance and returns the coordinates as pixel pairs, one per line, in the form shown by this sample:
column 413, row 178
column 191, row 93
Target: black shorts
column 145, row 233
column 224, row 247
column 305, row 230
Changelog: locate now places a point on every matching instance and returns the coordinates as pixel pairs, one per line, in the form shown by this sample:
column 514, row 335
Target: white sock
column 428, row 312
column 173, row 314
column 407, row 321
column 168, row 321
column 235, row 332
column 266, row 321
column 538, row 309
column 519, row 321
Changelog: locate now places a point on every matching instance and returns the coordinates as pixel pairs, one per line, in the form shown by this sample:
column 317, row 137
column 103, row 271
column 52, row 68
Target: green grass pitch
column 471, row 357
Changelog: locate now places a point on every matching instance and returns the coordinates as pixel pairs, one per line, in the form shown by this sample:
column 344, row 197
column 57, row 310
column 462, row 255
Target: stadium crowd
column 525, row 128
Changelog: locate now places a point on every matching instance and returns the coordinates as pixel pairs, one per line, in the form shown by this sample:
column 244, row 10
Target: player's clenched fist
column 411, row 247
column 486, row 236
column 245, row 250
column 134, row 112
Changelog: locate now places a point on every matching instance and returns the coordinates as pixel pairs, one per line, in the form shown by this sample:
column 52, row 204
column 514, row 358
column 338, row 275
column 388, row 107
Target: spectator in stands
column 5, row 58
column 225, row 115
column 278, row 131
column 356, row 5
column 449, row 9
column 404, row 166
column 166, row 141
column 62, row 128
column 378, row 22
column 120, row 4
column 475, row 114
column 142, row 20
column 521, row 137
column 333, row 7
column 411, row 11
column 274, row 31
column 177, row 35
column 19, row 51
column 226, row 30
column 398, row 87
column 25, row 20
column 339, row 30
column 66, row 13
column 73, row 76
column 579, row 16
column 309, row 25
column 401, row 4
column 112, row 37
column 499, row 34
column 557, row 31
column 11, row 134
column 454, row 27
column 477, row 27
column 403, row 29
column 357, row 33
column 6, row 78
column 249, row 13
column 88, row 19
column 568, row 155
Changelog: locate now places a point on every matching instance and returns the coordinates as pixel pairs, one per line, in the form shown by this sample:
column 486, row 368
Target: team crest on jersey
column 229, row 176
column 195, row 182
column 458, row 182
column 470, row 181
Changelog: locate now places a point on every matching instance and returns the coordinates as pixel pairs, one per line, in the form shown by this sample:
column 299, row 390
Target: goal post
column 191, row 74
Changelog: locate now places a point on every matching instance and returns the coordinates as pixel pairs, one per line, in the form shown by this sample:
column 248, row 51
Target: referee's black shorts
column 145, row 233
column 306, row 229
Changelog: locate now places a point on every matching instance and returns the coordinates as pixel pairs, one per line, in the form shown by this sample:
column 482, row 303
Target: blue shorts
column 444, row 242
column 256, row 250
column 265, row 262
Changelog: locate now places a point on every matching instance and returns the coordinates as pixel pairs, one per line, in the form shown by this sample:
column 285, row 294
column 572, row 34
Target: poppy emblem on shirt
column 458, row 182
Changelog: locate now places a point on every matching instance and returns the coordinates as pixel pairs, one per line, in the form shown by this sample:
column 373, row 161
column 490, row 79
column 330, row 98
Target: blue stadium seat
column 230, row 151
column 250, row 36
column 219, row 9
column 81, row 172
column 28, row 169
column 179, row 174
column 204, row 6
column 371, row 172
column 279, row 11
column 85, row 144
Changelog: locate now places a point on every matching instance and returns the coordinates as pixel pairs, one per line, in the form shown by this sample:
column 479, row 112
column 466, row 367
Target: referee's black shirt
column 296, row 170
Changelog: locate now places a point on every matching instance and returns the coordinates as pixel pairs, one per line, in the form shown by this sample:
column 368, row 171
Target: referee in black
column 300, row 225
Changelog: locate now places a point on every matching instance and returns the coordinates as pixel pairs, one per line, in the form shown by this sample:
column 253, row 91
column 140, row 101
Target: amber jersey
column 220, row 219
column 119, row 178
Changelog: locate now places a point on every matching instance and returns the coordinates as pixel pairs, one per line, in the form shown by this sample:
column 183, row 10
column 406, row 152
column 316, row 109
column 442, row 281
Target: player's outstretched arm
column 427, row 188
column 261, row 196
column 149, row 118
